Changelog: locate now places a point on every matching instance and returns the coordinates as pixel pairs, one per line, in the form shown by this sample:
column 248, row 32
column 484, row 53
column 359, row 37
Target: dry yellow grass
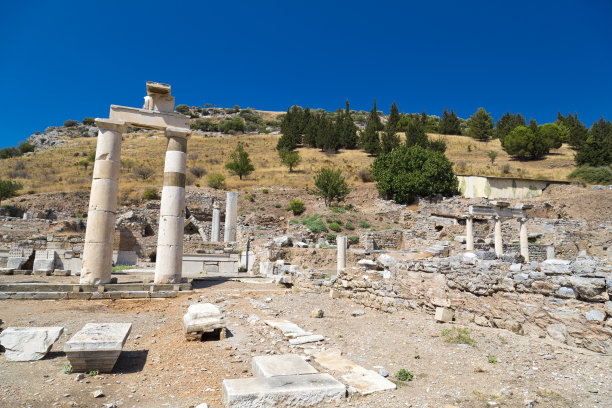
column 58, row 169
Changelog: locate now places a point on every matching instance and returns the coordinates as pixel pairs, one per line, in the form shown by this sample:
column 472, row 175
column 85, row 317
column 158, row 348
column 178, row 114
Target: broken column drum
column 523, row 239
column 469, row 233
column 216, row 222
column 497, row 232
column 157, row 113
column 341, row 243
column 231, row 216
column 169, row 258
column 98, row 248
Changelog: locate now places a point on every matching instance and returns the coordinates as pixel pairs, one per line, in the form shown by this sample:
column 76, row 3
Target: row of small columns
column 497, row 233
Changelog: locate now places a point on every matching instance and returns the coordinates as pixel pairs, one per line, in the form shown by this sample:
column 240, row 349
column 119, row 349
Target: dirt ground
column 159, row 368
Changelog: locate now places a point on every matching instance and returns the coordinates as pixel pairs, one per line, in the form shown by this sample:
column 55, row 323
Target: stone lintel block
column 28, row 343
column 444, row 315
column 282, row 391
column 106, row 169
column 148, row 119
column 172, row 201
column 286, row 364
column 97, row 346
column 103, row 197
column 158, row 88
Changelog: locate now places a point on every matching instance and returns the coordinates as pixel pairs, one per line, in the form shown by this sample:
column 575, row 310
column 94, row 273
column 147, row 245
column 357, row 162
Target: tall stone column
column 169, row 259
column 98, row 248
column 524, row 243
column 469, row 233
column 216, row 222
column 341, row 244
column 499, row 247
column 231, row 216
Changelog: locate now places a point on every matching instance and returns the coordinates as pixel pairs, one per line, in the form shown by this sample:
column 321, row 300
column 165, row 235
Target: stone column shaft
column 499, row 246
column 216, row 223
column 523, row 239
column 169, row 259
column 341, row 244
column 99, row 236
column 231, row 216
column 469, row 233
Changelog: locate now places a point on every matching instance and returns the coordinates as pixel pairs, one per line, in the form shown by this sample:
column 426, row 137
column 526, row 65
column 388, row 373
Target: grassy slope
column 57, row 169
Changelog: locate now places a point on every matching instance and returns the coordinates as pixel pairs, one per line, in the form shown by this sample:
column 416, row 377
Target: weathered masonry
column 157, row 113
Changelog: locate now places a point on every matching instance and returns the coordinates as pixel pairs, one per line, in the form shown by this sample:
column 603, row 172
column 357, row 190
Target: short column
column 499, row 247
column 341, row 244
column 99, row 235
column 524, row 243
column 169, row 258
column 469, row 233
column 231, row 216
column 216, row 222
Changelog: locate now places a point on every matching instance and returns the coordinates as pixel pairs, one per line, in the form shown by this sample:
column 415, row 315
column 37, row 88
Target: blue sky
column 68, row 60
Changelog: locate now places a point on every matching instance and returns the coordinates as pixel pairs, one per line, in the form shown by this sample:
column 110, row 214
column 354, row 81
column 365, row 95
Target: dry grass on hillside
column 58, row 169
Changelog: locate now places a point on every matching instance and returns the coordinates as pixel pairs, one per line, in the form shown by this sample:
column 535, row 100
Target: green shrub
column 331, row 237
column 150, row 193
column 184, row 109
column 492, row 359
column 353, row 239
column 331, row 185
column 523, row 143
column 338, row 210
column 294, row 222
column 205, row 125
column 9, row 189
column 70, row 123
column 89, row 121
column 593, row 175
column 404, row 375
column 198, row 171
column 408, row 172
column 26, row 147
column 265, row 191
column 235, row 124
column 314, row 223
column 458, row 335
column 364, row 224
column 334, row 226
column 249, row 197
column 216, row 181
column 297, row 206
column 349, row 226
column 277, row 205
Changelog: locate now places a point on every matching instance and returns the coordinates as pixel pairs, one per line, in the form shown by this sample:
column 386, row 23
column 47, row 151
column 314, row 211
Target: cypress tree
column 349, row 131
column 597, row 149
column 480, row 125
column 415, row 135
column 390, row 140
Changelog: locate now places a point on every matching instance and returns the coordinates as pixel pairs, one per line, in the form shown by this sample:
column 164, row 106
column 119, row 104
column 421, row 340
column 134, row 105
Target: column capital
column 172, row 131
column 111, row 124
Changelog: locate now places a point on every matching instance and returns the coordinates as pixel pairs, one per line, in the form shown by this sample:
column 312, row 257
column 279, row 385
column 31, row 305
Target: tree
column 390, row 140
column 450, row 123
column 289, row 158
column 577, row 132
column 523, row 143
column 408, row 172
column 480, row 125
column 184, row 109
column 348, row 134
column 507, row 123
column 553, row 135
column 492, row 155
column 240, row 163
column 597, row 149
column 374, row 117
column 89, row 121
column 144, row 172
column 331, row 185
column 370, row 141
column 292, row 127
column 8, row 189
column 533, row 125
column 415, row 134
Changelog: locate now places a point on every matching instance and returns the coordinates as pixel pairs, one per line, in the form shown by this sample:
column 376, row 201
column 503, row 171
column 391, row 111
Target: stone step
column 282, row 391
column 97, row 346
column 285, row 364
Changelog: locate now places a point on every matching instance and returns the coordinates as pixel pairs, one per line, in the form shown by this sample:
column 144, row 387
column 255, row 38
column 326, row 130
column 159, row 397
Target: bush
column 438, row 145
column 216, row 181
column 9, row 152
column 349, row 226
column 334, row 226
column 205, row 125
column 265, row 191
column 593, row 175
column 314, row 223
column 70, row 123
column 408, row 172
column 331, row 237
column 143, row 172
column 364, row 224
column 277, row 205
column 9, row 189
column 353, row 239
column 297, row 206
column 404, row 375
column 365, row 176
column 89, row 121
column 330, row 185
column 25, row 147
column 184, row 109
column 523, row 143
column 232, row 124
column 150, row 193
column 198, row 171
column 249, row 197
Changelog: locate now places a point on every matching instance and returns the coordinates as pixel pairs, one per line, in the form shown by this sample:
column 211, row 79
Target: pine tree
column 390, row 140
column 292, row 128
column 369, row 140
column 450, row 123
column 597, row 149
column 480, row 125
column 374, row 116
column 533, row 125
column 415, row 135
column 348, row 137
column 507, row 123
column 577, row 132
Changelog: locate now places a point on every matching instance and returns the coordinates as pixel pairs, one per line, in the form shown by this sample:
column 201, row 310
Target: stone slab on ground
column 283, row 391
column 285, row 364
column 97, row 346
column 28, row 343
column 364, row 380
column 306, row 339
column 288, row 328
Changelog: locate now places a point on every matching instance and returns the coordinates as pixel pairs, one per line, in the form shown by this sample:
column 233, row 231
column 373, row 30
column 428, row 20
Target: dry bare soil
column 159, row 368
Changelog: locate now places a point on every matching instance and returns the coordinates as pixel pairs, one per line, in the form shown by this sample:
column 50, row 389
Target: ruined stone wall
column 568, row 302
column 385, row 239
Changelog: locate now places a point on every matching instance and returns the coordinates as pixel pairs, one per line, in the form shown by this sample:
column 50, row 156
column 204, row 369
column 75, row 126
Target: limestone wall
column 568, row 302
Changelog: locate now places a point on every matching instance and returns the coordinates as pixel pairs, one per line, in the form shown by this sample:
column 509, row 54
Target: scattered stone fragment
column 444, row 315
column 358, row 312
column 28, row 343
column 306, row 339
column 97, row 394
column 317, row 313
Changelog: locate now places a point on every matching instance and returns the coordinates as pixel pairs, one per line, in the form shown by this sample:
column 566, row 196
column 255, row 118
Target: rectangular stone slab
column 286, row 364
column 287, row 328
column 282, row 391
column 97, row 346
column 306, row 339
column 28, row 343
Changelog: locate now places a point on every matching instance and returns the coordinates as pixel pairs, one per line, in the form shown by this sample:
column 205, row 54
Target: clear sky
column 68, row 60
